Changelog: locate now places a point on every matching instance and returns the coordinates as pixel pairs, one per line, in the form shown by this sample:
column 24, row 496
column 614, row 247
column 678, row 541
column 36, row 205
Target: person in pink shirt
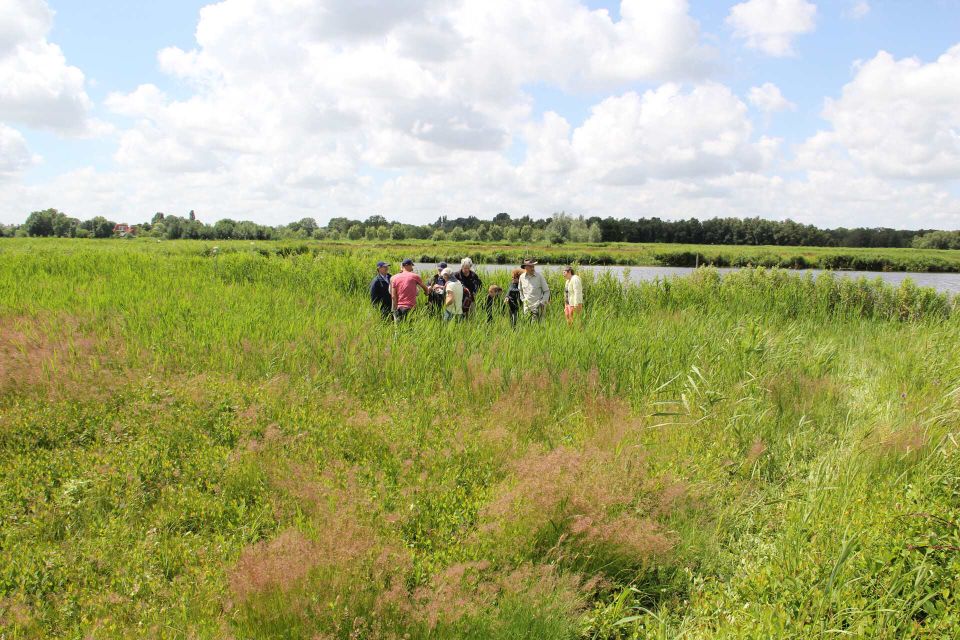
column 403, row 290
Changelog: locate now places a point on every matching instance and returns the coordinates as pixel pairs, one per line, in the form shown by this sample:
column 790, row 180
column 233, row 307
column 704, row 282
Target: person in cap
column 436, row 287
column 403, row 290
column 513, row 296
column 572, row 295
column 453, row 297
column 534, row 291
column 380, row 289
column 471, row 281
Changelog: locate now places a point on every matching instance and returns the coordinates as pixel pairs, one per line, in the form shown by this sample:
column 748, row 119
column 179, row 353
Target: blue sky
column 408, row 164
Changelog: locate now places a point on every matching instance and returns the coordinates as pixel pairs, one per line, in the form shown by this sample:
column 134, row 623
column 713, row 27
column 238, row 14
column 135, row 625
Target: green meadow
column 230, row 443
column 662, row 254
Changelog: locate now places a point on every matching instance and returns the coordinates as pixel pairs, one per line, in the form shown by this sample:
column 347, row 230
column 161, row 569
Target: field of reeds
column 232, row 444
column 671, row 255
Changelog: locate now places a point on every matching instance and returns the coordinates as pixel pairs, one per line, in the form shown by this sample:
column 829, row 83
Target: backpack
column 467, row 300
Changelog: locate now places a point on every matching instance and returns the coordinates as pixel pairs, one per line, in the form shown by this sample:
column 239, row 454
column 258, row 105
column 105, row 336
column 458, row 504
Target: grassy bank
column 676, row 255
column 232, row 444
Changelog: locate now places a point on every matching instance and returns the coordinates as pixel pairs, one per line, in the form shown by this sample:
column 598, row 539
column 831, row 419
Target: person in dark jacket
column 513, row 297
column 494, row 302
column 436, row 286
column 380, row 289
column 470, row 280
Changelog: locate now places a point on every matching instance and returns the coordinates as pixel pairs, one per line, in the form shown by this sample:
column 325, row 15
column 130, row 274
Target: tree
column 439, row 235
column 594, row 233
column 511, row 234
column 526, row 233
column 457, row 235
column 307, row 225
column 40, row 223
column 192, row 215
column 100, row 227
column 397, row 232
column 224, row 229
column 557, row 230
column 355, row 232
column 157, row 217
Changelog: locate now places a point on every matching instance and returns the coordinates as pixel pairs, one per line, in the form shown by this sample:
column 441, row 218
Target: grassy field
column 675, row 255
column 232, row 444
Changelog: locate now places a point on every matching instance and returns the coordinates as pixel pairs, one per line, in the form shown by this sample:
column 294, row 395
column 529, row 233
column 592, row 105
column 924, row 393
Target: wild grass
column 232, row 444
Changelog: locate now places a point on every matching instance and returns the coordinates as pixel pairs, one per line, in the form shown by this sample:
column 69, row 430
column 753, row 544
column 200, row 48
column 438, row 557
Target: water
column 943, row 282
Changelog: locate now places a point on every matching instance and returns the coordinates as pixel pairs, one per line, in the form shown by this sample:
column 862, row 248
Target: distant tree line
column 560, row 228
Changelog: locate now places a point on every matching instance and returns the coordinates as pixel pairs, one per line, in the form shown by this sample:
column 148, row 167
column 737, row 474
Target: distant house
column 123, row 230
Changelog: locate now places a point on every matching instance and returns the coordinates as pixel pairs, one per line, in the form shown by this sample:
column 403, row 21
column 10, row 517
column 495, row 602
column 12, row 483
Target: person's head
column 383, row 267
column 407, row 264
column 516, row 274
column 529, row 266
column 568, row 272
column 441, row 267
column 466, row 264
column 447, row 274
column 493, row 291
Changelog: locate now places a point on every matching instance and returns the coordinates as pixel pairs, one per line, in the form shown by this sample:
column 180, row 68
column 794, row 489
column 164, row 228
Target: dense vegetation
column 560, row 228
column 230, row 443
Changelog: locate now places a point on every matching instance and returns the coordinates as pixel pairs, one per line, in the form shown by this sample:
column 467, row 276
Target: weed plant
column 233, row 444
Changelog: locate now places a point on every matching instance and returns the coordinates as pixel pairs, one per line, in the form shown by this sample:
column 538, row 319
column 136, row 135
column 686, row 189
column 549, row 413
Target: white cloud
column 667, row 133
column 22, row 21
column 293, row 109
column 14, row 154
column 767, row 98
column 37, row 86
column 858, row 10
column 306, row 94
column 771, row 25
column 900, row 118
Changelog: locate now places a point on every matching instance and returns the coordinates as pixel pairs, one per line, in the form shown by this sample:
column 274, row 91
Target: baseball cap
column 442, row 265
column 407, row 261
column 382, row 264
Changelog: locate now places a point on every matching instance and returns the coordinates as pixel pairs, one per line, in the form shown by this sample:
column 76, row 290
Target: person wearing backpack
column 471, row 282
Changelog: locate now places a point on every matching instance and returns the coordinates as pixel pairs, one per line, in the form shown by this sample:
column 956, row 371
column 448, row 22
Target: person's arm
column 578, row 291
column 449, row 297
column 393, row 296
column 373, row 290
column 420, row 284
column 546, row 291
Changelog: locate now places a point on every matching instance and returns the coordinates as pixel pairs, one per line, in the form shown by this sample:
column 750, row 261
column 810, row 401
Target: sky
column 835, row 113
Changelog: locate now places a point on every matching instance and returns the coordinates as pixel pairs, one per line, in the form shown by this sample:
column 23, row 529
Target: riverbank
column 621, row 254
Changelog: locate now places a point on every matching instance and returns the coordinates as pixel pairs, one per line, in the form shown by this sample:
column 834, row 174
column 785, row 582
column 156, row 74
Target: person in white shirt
column 534, row 291
column 572, row 295
column 453, row 296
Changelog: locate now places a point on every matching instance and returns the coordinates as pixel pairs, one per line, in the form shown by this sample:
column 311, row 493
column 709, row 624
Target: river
column 943, row 282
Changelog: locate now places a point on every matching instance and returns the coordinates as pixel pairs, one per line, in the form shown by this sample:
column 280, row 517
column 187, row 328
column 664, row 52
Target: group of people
column 454, row 294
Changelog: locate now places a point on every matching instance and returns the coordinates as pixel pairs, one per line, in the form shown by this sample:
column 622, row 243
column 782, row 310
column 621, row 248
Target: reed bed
column 232, row 444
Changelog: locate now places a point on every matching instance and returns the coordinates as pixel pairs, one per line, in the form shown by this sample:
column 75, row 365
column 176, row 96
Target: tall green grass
column 233, row 444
